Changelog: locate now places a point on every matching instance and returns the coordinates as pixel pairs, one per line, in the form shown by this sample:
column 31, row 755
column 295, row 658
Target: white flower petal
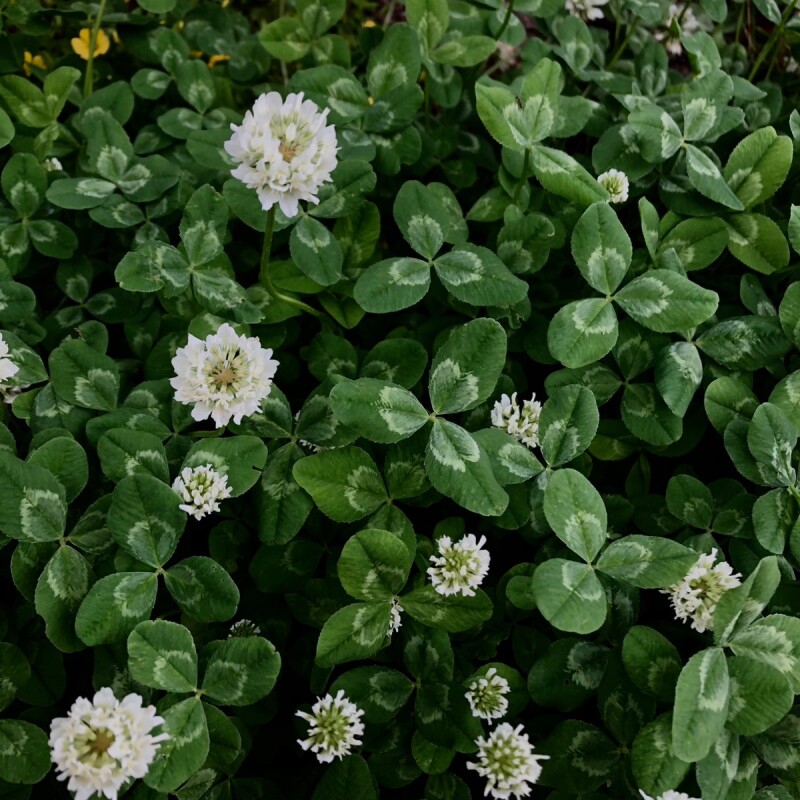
column 461, row 567
column 507, row 761
column 284, row 149
column 104, row 743
column 224, row 376
column 334, row 727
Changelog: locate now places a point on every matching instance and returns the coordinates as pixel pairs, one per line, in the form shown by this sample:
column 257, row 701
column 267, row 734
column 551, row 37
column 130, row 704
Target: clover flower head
column 521, row 423
column 487, row 696
column 243, row 628
column 334, row 727
column 670, row 795
column 225, row 376
column 587, row 10
column 284, row 150
column 395, row 621
column 616, row 184
column 507, row 761
column 460, row 566
column 201, row 489
column 103, row 743
column 8, row 369
column 697, row 595
column 681, row 20
column 52, row 164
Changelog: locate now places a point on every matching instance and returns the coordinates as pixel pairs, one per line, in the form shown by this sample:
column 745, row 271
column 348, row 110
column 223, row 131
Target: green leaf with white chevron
column 648, row 562
column 758, row 165
column 392, row 285
column 162, row 655
column 458, row 468
column 575, row 511
column 239, row 458
column 567, row 424
column 144, row 519
column 467, row 366
column 240, row 671
column 114, row 606
column 382, row 411
column 562, row 175
column 33, row 505
column 701, row 704
column 354, row 632
column 374, row 565
column 422, row 218
column 60, row 590
column 601, row 248
column 344, row 483
column 569, row 595
column 666, row 302
column 707, row 179
column 582, row 332
column 185, row 751
column 83, row 376
column 203, row 589
column 452, row 613
column 316, row 252
column 475, row 275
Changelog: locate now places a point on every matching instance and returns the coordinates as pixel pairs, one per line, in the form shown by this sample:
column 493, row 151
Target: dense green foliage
column 464, row 249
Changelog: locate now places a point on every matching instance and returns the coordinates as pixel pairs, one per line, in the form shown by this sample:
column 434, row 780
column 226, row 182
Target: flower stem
column 506, row 19
column 265, row 277
column 389, row 14
column 777, row 31
column 621, row 49
column 89, row 79
column 523, row 176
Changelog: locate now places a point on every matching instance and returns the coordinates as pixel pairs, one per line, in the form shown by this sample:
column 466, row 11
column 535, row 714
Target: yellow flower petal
column 80, row 43
column 29, row 60
column 218, row 59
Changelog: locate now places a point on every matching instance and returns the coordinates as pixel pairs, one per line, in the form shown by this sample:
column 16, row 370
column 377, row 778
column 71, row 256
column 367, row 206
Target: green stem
column 625, row 42
column 389, row 14
column 739, row 23
column 266, row 279
column 523, row 176
column 89, row 79
column 777, row 31
column 427, row 103
column 506, row 20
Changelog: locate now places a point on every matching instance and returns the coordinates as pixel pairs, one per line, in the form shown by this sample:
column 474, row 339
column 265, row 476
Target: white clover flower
column 670, row 795
column 334, row 725
column 224, row 375
column 201, row 489
column 284, row 149
column 587, row 10
column 395, row 622
column 616, row 184
column 8, row 369
column 104, row 743
column 52, row 165
column 507, row 761
column 461, row 567
column 521, row 423
column 680, row 20
column 697, row 595
column 487, row 696
column 243, row 628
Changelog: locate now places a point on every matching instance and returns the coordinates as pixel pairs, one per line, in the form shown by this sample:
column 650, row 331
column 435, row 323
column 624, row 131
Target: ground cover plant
column 401, row 399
